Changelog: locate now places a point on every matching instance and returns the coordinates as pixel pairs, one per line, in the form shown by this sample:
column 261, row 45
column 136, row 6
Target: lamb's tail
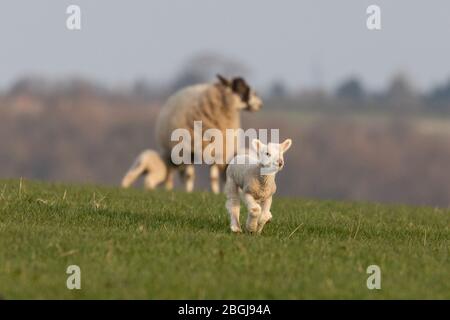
column 137, row 169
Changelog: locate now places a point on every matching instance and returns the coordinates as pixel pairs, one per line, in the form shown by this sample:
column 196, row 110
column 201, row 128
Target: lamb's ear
column 240, row 87
column 223, row 80
column 286, row 145
column 257, row 145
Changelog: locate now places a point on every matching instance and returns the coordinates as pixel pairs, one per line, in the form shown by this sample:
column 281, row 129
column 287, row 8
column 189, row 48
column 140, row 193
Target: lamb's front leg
column 266, row 215
column 254, row 213
column 233, row 205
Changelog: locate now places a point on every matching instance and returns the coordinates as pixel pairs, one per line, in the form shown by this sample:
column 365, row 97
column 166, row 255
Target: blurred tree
column 150, row 91
column 278, row 90
column 78, row 87
column 400, row 86
column 441, row 94
column 351, row 89
column 204, row 67
column 142, row 88
column 31, row 85
column 401, row 93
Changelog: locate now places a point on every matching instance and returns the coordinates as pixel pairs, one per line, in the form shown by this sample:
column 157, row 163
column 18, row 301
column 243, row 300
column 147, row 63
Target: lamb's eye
column 268, row 154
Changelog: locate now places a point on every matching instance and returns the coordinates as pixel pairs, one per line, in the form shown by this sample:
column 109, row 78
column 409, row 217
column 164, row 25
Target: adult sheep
column 217, row 106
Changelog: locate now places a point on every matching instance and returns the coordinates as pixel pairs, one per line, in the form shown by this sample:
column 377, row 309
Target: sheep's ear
column 240, row 87
column 286, row 145
column 256, row 144
column 223, row 80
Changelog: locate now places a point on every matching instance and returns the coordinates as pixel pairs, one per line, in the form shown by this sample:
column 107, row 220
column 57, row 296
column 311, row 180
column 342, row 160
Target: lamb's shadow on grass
column 159, row 220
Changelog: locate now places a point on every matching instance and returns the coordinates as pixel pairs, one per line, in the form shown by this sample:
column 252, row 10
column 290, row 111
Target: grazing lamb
column 148, row 163
column 218, row 106
column 255, row 176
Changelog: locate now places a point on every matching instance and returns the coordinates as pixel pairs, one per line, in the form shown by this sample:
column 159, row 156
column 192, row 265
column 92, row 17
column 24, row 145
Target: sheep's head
column 270, row 156
column 248, row 97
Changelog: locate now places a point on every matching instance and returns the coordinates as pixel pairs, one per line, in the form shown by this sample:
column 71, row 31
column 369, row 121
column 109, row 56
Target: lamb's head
column 270, row 156
column 248, row 97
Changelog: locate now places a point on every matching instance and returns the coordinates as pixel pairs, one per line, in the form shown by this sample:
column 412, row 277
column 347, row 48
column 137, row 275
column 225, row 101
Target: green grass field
column 164, row 245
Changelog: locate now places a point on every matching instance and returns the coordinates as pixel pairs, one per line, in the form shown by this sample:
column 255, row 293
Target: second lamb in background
column 255, row 176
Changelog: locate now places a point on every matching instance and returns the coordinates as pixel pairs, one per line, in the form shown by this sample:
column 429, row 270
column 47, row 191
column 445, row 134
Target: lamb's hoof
column 236, row 229
column 251, row 228
column 260, row 229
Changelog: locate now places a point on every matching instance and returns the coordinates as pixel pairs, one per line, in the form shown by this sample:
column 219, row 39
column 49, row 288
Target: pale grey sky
column 298, row 41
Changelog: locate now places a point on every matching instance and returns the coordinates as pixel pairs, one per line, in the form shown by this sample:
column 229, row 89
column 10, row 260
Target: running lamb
column 255, row 176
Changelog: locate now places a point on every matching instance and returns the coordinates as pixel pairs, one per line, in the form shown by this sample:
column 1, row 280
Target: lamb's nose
column 280, row 162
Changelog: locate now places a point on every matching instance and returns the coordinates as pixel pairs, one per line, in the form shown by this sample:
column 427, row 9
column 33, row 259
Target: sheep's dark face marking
column 239, row 86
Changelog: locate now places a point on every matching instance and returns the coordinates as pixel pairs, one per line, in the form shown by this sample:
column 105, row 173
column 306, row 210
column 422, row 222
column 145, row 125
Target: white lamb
column 255, row 176
column 150, row 164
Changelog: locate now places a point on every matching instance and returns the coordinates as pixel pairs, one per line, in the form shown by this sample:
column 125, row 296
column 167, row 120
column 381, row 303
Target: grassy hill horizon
column 134, row 244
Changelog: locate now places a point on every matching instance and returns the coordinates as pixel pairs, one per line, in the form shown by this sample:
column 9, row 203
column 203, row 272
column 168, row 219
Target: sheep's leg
column 222, row 176
column 214, row 175
column 266, row 215
column 233, row 205
column 188, row 174
column 254, row 212
column 169, row 178
column 150, row 181
column 131, row 176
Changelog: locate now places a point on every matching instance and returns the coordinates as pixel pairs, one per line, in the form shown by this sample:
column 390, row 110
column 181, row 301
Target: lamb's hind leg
column 266, row 215
column 233, row 205
column 254, row 213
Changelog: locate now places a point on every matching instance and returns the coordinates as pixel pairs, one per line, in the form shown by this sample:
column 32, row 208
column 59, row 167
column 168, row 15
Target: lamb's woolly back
column 245, row 172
